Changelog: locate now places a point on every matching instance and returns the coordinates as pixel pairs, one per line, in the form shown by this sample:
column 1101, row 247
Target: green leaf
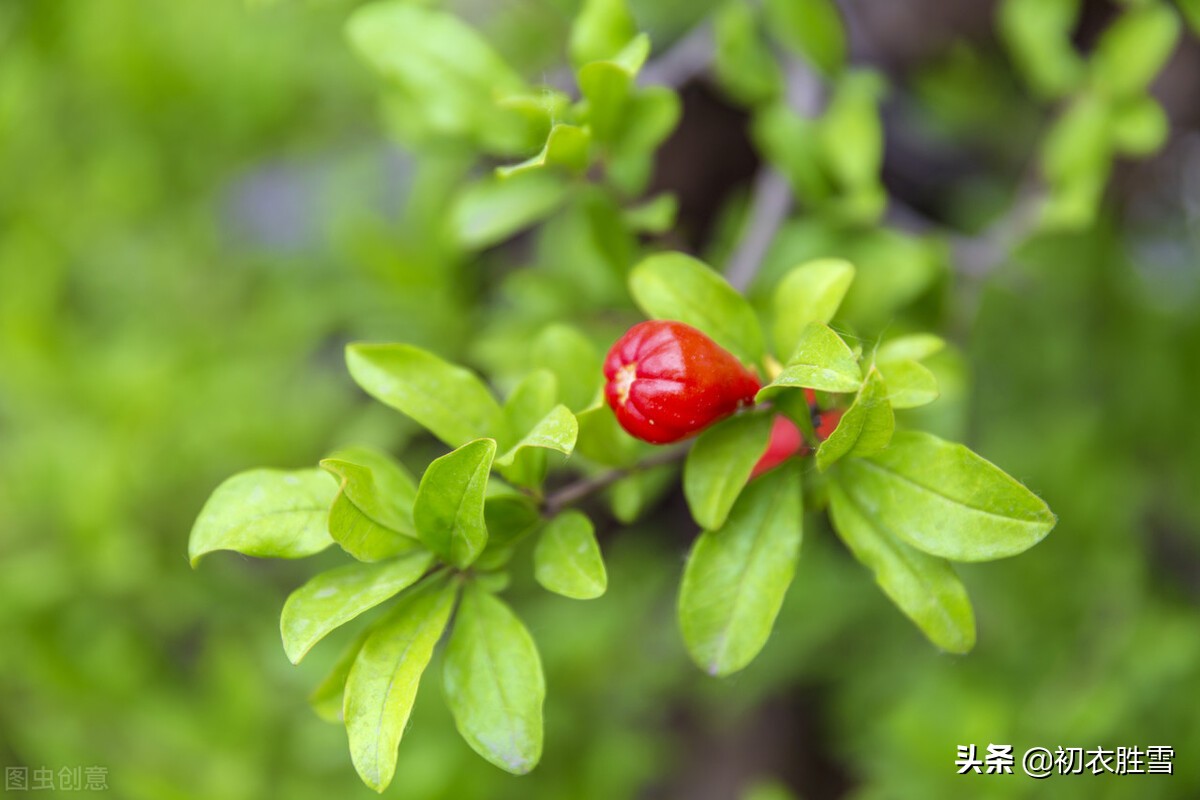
column 1038, row 34
column 865, row 428
column 633, row 55
column 383, row 682
column 327, row 698
column 567, row 559
column 575, row 362
column 494, row 209
column 1191, row 12
column 676, row 286
column 916, row 347
column 333, row 598
column 744, row 65
column 556, row 431
column 532, row 399
column 633, row 495
column 908, row 384
column 655, row 216
column 606, row 87
column 947, row 501
column 1077, row 144
column 371, row 517
column 792, row 144
column 720, row 463
column 736, row 577
column 812, row 29
column 852, row 133
column 266, row 513
column 449, row 401
column 924, row 587
column 567, row 147
column 822, row 361
column 602, row 440
column 651, row 115
column 808, row 293
column 494, row 684
column 449, row 507
column 1139, row 127
column 1132, row 50
column 440, row 71
column 509, row 516
column 600, row 31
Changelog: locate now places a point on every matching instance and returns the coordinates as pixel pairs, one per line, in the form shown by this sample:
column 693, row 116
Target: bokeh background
column 199, row 206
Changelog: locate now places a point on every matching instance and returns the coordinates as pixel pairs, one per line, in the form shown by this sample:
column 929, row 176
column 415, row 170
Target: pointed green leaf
column 636, row 493
column 383, row 682
column 573, row 358
column 532, row 399
column 442, row 74
column 916, row 347
column 810, row 292
column 865, row 428
column 333, row 598
column 652, row 114
column 494, row 683
column 654, row 216
column 606, row 87
column 1038, row 35
column 567, row 559
column 812, row 29
column 743, row 63
column 852, row 132
column 449, row 507
column 792, row 144
column 601, row 439
column 495, row 209
column 720, row 463
column 555, row 431
column 822, row 361
column 1139, row 126
column 908, row 384
column 567, row 146
column 945, row 500
column 736, row 577
column 371, row 517
column 677, row 286
column 327, row 698
column 509, row 517
column 451, row 402
column 924, row 587
column 1133, row 49
column 266, row 513
column 600, row 31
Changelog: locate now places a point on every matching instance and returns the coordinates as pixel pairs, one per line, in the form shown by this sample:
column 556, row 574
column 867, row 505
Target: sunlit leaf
column 736, row 577
column 266, row 513
column 494, row 684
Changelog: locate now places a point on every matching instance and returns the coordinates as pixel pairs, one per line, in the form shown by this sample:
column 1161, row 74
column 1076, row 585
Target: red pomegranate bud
column 787, row 441
column 666, row 381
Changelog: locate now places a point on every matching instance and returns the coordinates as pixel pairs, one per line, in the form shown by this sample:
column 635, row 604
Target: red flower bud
column 784, row 443
column 666, row 381
column 786, row 440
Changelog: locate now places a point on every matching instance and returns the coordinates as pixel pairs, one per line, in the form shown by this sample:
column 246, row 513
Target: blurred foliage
column 199, row 205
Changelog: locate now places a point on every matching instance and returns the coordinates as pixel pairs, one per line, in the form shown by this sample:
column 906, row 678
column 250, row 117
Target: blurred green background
column 199, row 207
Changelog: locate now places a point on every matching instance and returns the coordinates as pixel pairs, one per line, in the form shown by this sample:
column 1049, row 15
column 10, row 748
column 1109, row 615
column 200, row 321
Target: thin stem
column 770, row 204
column 771, row 200
column 584, row 487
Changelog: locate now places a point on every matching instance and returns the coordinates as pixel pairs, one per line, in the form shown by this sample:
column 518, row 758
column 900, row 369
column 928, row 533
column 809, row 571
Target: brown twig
column 573, row 492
